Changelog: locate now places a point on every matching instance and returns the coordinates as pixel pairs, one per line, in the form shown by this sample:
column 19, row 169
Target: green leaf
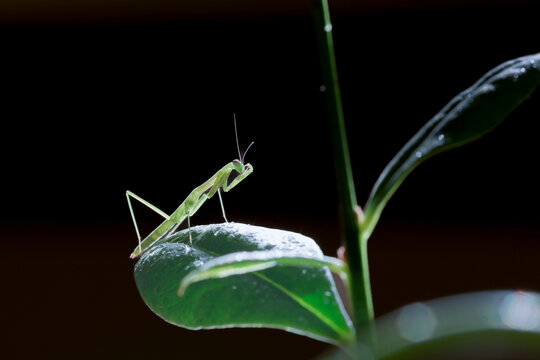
column 485, row 322
column 469, row 115
column 257, row 293
column 251, row 261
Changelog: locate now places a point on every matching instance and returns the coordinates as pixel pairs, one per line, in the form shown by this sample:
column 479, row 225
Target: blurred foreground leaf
column 244, row 276
column 490, row 324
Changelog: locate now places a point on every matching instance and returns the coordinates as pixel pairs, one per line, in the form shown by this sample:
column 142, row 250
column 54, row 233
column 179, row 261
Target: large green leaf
column 465, row 118
column 253, row 290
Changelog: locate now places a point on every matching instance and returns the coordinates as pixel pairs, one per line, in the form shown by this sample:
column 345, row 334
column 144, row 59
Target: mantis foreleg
column 222, row 207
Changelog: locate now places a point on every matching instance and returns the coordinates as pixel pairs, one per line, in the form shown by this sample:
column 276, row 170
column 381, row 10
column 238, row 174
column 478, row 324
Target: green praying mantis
column 226, row 178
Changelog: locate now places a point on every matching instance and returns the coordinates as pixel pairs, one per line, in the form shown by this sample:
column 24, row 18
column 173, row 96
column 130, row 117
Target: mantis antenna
column 245, row 152
column 236, row 136
column 240, row 156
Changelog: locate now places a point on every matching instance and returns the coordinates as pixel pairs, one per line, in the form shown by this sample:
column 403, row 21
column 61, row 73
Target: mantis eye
column 238, row 166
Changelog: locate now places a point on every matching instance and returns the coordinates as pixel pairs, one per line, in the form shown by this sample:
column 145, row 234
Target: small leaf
column 275, row 293
column 471, row 114
column 250, row 261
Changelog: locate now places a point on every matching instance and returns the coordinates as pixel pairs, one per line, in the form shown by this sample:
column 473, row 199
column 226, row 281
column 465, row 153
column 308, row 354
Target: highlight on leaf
column 252, row 261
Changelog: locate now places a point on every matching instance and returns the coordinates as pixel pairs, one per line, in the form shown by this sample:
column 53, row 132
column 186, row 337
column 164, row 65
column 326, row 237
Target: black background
column 93, row 107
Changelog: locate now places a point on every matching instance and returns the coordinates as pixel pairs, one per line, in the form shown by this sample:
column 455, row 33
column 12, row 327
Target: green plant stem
column 361, row 301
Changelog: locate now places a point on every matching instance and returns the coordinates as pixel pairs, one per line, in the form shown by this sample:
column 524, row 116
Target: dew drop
column 234, row 287
column 523, row 70
column 328, row 27
column 326, row 299
column 418, row 154
column 322, row 88
column 441, row 138
column 198, row 263
column 287, row 246
column 534, row 64
column 304, row 271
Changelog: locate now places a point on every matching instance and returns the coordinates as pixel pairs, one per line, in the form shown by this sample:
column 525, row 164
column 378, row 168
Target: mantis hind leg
column 129, row 195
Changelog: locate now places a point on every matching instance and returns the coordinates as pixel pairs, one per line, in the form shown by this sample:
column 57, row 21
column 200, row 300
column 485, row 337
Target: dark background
column 97, row 99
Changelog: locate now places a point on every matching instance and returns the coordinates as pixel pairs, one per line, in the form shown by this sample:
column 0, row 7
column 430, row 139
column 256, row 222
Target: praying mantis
column 226, row 178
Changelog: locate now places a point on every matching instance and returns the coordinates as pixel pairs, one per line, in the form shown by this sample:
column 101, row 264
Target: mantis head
column 242, row 170
column 241, row 167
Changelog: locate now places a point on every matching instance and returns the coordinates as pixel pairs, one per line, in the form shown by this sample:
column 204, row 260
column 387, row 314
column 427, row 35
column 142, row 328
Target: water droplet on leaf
column 198, row 263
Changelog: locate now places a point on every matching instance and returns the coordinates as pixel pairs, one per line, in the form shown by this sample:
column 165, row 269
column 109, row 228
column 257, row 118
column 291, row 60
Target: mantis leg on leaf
column 226, row 178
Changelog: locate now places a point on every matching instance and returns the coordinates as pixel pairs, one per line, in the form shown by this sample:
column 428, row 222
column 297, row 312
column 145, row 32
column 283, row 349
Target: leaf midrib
column 323, row 318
